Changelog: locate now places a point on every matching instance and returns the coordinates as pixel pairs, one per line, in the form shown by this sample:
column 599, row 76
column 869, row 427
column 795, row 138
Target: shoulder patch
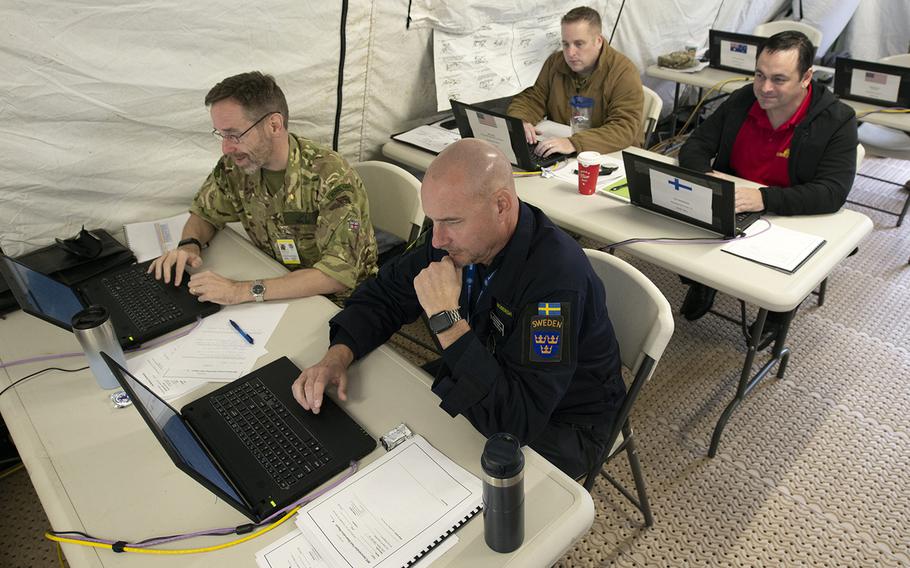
column 545, row 332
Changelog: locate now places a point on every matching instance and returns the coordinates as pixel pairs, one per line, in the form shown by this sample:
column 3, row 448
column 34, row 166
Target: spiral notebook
column 388, row 515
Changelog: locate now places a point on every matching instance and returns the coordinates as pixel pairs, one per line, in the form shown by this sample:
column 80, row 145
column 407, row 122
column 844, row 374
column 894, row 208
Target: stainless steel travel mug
column 95, row 332
column 503, row 493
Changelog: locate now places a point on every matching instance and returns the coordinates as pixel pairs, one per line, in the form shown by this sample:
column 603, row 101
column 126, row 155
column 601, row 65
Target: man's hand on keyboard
column 749, row 199
column 178, row 259
column 211, row 287
column 554, row 145
column 309, row 387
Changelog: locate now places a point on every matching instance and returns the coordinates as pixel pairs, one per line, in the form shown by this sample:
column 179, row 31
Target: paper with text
column 685, row 197
column 294, row 551
column 393, row 511
column 429, row 137
column 214, row 351
column 775, row 246
column 875, row 85
column 494, row 61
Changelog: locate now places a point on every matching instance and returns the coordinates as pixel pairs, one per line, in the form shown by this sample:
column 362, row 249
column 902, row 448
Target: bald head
column 474, row 166
column 469, row 194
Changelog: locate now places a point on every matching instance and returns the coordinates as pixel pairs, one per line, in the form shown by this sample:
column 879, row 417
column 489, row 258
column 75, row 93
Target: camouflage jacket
column 322, row 207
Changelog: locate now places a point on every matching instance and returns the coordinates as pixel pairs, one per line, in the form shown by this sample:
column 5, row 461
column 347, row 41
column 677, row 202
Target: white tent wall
column 878, row 28
column 102, row 112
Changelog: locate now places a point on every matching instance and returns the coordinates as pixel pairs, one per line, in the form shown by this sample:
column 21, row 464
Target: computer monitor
column 872, row 82
column 733, row 52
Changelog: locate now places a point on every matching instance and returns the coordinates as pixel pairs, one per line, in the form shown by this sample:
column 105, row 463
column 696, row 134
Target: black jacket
column 490, row 374
column 822, row 160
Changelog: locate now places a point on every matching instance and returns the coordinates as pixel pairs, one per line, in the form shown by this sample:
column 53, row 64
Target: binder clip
column 396, row 436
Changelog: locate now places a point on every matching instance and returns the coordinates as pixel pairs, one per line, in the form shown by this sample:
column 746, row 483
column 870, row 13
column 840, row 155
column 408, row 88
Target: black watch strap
column 190, row 241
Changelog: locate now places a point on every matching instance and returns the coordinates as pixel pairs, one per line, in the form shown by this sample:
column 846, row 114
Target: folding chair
column 650, row 114
column 768, row 29
column 888, row 143
column 395, row 208
column 643, row 323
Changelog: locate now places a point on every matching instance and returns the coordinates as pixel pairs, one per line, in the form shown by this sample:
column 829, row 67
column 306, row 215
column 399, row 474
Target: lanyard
column 470, row 277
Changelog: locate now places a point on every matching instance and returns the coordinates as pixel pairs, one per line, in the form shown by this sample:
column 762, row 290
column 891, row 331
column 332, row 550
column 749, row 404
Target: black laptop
column 503, row 131
column 141, row 307
column 695, row 198
column 872, row 82
column 732, row 51
column 250, row 442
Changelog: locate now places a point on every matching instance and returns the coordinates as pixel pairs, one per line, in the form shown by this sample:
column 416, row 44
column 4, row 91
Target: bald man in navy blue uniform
column 528, row 347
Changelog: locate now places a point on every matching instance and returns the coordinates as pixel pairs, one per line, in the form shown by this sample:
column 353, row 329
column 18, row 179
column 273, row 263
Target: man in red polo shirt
column 785, row 132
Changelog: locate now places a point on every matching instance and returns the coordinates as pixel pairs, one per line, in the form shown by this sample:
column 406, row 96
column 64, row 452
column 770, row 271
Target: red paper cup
column 588, row 169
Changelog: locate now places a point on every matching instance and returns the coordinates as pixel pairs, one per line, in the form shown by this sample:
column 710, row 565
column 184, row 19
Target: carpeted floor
column 813, row 469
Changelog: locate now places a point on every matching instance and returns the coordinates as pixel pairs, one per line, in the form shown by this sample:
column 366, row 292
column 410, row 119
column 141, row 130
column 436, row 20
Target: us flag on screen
column 872, row 77
column 486, row 119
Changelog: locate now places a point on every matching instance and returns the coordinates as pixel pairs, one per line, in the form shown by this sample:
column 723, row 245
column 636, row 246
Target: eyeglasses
column 235, row 138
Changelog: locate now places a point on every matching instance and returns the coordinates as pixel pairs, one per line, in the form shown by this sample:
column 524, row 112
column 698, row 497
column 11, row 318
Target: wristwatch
column 258, row 290
column 190, row 241
column 443, row 320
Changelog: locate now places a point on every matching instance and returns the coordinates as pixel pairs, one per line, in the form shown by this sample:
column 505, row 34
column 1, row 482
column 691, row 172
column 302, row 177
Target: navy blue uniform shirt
column 541, row 347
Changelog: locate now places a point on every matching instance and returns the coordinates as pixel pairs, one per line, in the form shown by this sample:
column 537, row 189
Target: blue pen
column 243, row 334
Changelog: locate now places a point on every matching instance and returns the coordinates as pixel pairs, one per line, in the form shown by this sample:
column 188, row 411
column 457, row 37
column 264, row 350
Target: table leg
column 747, row 382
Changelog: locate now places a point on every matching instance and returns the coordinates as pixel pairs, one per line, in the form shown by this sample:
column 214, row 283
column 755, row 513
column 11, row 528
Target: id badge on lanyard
column 288, row 250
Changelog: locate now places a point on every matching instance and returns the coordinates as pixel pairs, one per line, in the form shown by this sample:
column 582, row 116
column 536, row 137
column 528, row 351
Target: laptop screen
column 732, row 51
column 872, row 82
column 41, row 295
column 179, row 442
column 698, row 199
column 476, row 122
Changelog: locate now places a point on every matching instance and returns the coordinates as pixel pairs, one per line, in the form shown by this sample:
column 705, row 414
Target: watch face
column 257, row 289
column 443, row 321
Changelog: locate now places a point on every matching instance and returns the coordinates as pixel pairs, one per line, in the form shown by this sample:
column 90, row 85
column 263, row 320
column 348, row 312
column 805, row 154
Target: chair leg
column 632, row 455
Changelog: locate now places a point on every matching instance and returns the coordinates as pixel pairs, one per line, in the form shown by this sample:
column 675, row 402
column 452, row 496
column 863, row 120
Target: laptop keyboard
column 142, row 298
column 262, row 423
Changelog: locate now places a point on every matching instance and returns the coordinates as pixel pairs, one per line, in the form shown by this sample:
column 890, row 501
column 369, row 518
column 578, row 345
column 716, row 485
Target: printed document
column 775, row 246
column 215, row 351
column 393, row 511
column 685, row 197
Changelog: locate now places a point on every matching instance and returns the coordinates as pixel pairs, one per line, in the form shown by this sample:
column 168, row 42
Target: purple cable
column 230, row 530
column 148, row 345
column 670, row 241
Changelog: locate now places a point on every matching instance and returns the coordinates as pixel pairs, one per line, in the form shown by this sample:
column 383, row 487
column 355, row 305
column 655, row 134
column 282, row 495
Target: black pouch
column 72, row 261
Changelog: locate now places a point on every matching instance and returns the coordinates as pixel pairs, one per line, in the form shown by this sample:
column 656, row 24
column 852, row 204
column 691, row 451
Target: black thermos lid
column 89, row 318
column 502, row 457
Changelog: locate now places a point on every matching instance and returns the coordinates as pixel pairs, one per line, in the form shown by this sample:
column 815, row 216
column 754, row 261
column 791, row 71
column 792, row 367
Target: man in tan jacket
column 586, row 67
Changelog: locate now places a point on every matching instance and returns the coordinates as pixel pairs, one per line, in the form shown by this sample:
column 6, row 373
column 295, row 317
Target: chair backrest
column 650, row 113
column 901, row 59
column 641, row 315
column 768, row 29
column 394, row 196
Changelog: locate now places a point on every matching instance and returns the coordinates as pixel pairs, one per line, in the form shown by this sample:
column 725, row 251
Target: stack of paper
column 214, row 351
column 775, row 246
column 386, row 516
column 568, row 172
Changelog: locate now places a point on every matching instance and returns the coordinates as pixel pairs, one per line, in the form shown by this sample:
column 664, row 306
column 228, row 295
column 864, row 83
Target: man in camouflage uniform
column 299, row 203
